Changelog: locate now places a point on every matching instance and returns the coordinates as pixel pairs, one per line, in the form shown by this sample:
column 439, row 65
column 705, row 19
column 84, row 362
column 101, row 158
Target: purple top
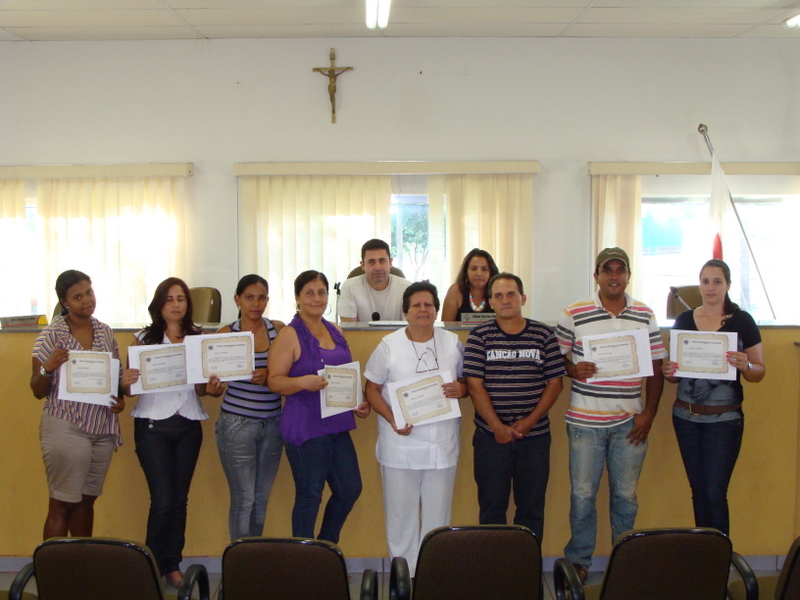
column 302, row 420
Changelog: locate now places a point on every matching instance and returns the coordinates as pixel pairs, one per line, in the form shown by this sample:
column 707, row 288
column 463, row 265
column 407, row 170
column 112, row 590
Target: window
column 677, row 240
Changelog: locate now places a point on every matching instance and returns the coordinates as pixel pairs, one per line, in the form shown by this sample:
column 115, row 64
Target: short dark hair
column 154, row 333
column 375, row 244
column 420, row 286
column 462, row 279
column 305, row 277
column 504, row 275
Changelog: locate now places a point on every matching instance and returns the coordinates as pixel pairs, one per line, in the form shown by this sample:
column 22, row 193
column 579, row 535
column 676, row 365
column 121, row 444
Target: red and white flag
column 720, row 213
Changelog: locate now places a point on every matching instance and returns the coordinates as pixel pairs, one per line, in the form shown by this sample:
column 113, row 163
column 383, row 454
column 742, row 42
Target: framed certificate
column 91, row 377
column 703, row 354
column 229, row 356
column 421, row 400
column 162, row 366
column 343, row 392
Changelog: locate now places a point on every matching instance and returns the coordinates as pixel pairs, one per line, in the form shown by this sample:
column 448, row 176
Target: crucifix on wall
column 332, row 73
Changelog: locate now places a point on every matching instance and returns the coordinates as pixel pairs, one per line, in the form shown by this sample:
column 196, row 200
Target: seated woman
column 167, row 430
column 418, row 462
column 318, row 449
column 468, row 293
column 77, row 438
column 248, row 430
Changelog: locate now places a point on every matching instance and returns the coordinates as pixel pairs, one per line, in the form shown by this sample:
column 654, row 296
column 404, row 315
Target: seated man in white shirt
column 377, row 295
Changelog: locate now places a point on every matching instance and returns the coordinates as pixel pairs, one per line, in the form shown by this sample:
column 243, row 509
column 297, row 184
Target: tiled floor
column 355, row 584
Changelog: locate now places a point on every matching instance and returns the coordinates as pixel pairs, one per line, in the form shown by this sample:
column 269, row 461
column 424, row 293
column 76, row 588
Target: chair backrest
column 283, row 569
column 359, row 271
column 664, row 564
column 95, row 569
column 788, row 585
column 479, row 562
column 689, row 293
column 207, row 303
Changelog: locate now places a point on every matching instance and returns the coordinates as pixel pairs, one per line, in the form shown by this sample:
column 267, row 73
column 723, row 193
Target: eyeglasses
column 427, row 361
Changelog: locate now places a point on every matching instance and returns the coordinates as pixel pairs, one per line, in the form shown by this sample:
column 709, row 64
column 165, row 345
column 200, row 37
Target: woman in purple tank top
column 318, row 449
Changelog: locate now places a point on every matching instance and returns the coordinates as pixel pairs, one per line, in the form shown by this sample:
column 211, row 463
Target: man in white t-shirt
column 377, row 295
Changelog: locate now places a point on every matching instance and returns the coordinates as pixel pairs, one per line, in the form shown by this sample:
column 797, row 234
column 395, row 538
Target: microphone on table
column 376, row 316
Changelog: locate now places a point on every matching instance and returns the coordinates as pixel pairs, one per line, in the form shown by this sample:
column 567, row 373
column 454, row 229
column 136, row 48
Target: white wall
column 564, row 102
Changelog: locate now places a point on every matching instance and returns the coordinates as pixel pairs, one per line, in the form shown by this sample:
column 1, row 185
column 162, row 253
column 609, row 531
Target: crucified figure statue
column 332, row 73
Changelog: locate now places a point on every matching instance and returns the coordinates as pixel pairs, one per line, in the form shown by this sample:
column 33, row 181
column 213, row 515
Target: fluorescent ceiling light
column 378, row 13
column 792, row 22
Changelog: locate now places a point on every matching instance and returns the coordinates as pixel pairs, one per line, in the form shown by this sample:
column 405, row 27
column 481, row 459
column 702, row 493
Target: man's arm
column 503, row 434
column 548, row 398
column 654, row 385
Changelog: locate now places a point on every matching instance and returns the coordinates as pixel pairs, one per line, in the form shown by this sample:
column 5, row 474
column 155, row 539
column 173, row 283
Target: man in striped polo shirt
column 514, row 375
column 606, row 422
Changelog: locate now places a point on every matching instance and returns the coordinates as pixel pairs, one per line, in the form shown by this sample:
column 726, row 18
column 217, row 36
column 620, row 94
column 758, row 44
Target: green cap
column 611, row 254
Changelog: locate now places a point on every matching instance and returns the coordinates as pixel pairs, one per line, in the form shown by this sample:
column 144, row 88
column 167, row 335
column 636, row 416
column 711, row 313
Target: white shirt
column 428, row 446
column 359, row 301
column 165, row 404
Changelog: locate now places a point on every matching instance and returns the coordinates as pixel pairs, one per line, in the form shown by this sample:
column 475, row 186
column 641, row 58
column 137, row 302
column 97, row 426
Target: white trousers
column 414, row 502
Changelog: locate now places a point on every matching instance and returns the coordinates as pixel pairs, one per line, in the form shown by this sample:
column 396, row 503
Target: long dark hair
column 65, row 281
column 729, row 307
column 154, row 333
column 248, row 280
column 462, row 278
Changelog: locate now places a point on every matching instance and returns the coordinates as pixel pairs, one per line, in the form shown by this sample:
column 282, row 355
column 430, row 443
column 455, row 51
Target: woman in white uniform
column 418, row 462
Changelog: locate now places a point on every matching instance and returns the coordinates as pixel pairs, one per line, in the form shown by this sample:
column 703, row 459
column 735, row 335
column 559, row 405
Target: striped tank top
column 249, row 399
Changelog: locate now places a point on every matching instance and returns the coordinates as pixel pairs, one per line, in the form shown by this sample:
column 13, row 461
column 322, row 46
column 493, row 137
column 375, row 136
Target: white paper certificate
column 227, row 355
column 623, row 355
column 162, row 368
column 421, row 400
column 91, row 377
column 703, row 354
column 345, row 391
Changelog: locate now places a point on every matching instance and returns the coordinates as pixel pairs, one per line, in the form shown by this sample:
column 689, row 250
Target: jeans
column 589, row 449
column 330, row 458
column 167, row 451
column 522, row 465
column 709, row 452
column 250, row 452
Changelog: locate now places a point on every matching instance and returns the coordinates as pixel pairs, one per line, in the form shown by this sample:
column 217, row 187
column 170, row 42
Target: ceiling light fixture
column 378, row 13
column 792, row 22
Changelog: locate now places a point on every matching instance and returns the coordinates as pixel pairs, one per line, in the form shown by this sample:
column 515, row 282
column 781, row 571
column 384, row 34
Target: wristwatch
column 43, row 372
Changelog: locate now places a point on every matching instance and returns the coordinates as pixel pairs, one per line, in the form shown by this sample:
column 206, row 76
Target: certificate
column 343, row 392
column 342, row 388
column 91, row 377
column 623, row 355
column 703, row 354
column 229, row 356
column 162, row 368
column 421, row 400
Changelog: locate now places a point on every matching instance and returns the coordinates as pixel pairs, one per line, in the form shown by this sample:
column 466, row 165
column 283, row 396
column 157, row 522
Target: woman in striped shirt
column 248, row 430
column 77, row 438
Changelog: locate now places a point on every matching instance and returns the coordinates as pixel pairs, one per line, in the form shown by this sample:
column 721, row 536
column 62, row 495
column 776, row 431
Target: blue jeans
column 250, row 452
column 522, row 465
column 167, row 451
column 589, row 449
column 709, row 452
column 330, row 458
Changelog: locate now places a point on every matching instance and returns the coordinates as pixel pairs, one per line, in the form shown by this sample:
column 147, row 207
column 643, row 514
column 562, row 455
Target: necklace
column 476, row 308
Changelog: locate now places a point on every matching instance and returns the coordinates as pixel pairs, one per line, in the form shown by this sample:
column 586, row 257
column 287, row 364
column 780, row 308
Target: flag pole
column 703, row 129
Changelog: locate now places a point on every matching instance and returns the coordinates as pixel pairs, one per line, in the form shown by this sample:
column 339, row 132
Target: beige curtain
column 492, row 212
column 289, row 224
column 125, row 233
column 617, row 215
column 22, row 254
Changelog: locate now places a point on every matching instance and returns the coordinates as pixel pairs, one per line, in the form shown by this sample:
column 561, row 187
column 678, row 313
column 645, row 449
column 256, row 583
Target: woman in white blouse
column 418, row 462
column 167, row 431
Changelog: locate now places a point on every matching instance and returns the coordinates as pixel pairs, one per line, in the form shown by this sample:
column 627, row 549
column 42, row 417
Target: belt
column 702, row 409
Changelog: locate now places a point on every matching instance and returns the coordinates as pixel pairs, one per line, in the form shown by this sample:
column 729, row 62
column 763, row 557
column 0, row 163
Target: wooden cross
column 332, row 73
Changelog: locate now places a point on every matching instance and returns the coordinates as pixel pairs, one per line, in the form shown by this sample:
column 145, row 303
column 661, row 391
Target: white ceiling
column 48, row 20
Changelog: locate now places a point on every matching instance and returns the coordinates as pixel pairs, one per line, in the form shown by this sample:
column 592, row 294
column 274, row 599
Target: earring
column 328, row 310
